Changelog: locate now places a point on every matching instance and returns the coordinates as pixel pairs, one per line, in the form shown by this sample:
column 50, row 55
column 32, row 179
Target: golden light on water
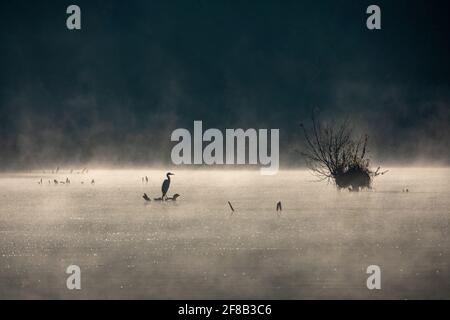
column 318, row 247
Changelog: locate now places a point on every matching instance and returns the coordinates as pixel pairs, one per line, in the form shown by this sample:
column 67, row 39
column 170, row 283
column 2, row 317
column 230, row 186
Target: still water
column 195, row 248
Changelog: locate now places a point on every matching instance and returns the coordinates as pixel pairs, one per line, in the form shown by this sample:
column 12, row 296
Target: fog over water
column 109, row 96
column 319, row 247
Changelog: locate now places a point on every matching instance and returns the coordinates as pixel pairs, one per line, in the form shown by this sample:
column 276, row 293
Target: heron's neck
column 168, row 177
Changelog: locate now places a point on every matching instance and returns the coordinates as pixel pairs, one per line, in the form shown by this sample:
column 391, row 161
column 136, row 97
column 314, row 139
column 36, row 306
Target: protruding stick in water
column 231, row 207
column 279, row 208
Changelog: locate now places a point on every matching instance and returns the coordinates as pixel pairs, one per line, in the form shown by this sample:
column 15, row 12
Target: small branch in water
column 279, row 208
column 231, row 207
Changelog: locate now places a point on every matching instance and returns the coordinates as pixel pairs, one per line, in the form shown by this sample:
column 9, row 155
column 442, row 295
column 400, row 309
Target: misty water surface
column 319, row 247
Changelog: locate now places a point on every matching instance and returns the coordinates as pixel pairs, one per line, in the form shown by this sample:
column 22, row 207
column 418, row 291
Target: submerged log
column 173, row 198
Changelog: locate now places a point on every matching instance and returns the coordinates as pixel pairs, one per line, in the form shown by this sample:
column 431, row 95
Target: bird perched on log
column 166, row 184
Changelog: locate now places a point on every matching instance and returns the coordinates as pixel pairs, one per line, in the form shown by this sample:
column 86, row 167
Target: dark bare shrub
column 333, row 154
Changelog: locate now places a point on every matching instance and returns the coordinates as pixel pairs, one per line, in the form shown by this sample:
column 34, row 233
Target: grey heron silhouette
column 166, row 184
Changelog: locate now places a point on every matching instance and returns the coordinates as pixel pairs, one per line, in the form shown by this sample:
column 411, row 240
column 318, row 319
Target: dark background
column 113, row 92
